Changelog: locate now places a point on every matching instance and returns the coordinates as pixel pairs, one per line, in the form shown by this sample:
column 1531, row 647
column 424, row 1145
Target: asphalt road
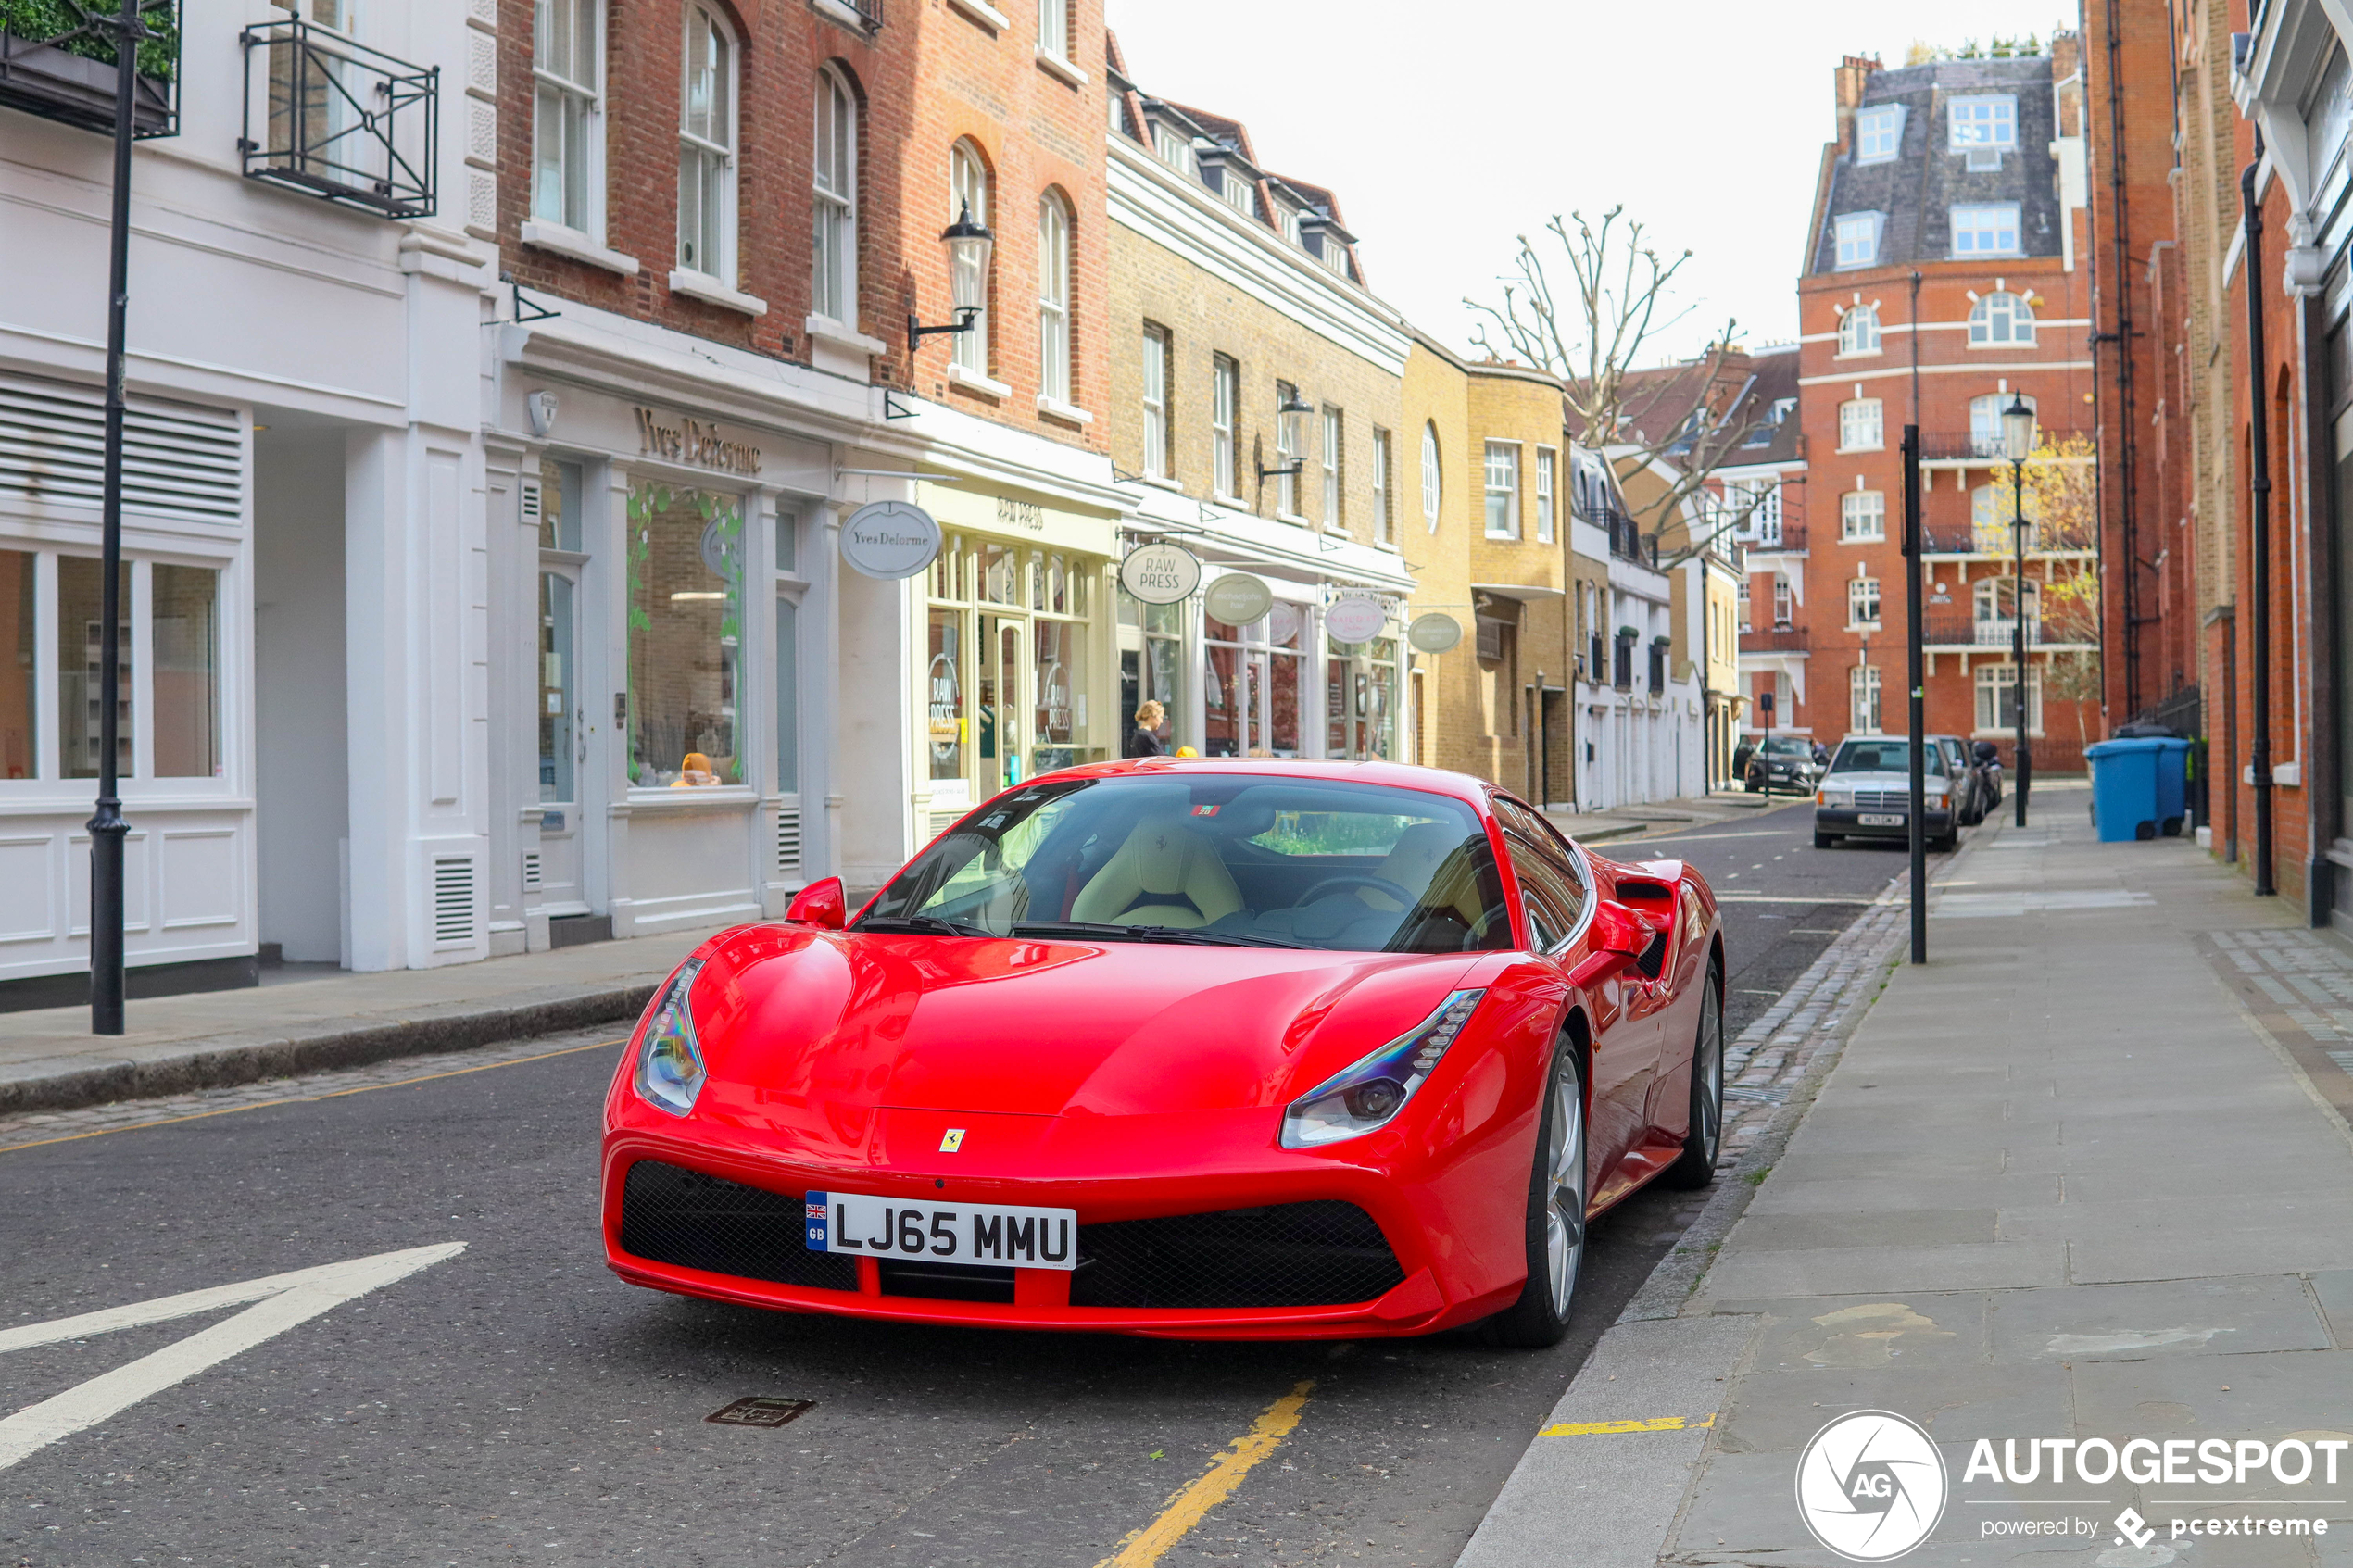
column 516, row 1404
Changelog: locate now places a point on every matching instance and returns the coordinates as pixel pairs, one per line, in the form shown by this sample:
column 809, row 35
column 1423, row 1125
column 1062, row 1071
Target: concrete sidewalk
column 1664, row 816
column 2085, row 1175
column 304, row 1019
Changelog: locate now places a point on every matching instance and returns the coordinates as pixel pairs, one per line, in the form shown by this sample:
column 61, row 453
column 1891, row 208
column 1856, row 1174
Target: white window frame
column 1862, row 516
column 1384, row 521
column 586, row 93
column 2011, row 311
column 1986, row 436
column 1745, row 602
column 1547, row 468
column 1979, row 222
column 1172, row 148
column 834, row 196
column 1053, row 298
column 1864, row 713
column 1989, row 680
column 1862, row 596
column 1332, row 431
column 1862, row 425
column 1225, row 398
column 1784, row 602
column 1053, row 28
column 1858, row 235
column 1433, row 477
column 1500, row 481
column 969, row 186
column 719, row 233
column 1879, row 133
column 1858, row 331
column 1979, row 120
column 1155, row 367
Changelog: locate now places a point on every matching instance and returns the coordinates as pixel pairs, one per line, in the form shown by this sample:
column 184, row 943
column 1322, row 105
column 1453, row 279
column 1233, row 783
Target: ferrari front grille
column 1321, row 1254
column 673, row 1216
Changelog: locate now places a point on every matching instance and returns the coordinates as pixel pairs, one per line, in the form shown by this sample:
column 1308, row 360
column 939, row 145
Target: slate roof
column 1917, row 189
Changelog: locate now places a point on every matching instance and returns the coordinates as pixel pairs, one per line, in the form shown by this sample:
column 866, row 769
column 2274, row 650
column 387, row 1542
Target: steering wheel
column 1377, row 883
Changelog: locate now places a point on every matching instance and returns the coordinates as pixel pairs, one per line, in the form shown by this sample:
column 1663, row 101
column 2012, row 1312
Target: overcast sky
column 1447, row 131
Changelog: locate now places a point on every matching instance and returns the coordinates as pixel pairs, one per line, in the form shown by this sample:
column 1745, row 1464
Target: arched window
column 2001, row 319
column 1430, row 477
column 968, row 193
column 833, row 227
column 1985, row 423
column 1053, row 298
column 1858, row 331
column 707, row 149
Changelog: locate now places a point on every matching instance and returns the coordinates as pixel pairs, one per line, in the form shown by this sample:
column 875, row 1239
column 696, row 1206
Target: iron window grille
column 340, row 120
column 67, row 73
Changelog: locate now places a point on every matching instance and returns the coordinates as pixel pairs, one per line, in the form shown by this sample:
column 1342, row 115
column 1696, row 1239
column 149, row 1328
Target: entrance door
column 1002, row 680
column 563, row 742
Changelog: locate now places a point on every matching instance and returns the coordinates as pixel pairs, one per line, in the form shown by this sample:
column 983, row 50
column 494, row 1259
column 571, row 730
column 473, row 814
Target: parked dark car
column 1786, row 760
column 1989, row 764
column 1868, row 794
column 1974, row 797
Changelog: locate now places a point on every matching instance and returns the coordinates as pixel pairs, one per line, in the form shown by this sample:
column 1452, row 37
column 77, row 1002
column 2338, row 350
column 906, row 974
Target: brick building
column 722, row 222
column 2240, row 491
column 1234, row 293
column 1944, row 275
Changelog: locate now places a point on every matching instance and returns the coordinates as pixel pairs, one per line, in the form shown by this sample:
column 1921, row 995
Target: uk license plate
column 942, row 1233
column 1878, row 820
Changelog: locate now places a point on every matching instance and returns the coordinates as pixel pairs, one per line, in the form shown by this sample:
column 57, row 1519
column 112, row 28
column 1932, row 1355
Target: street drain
column 753, row 1411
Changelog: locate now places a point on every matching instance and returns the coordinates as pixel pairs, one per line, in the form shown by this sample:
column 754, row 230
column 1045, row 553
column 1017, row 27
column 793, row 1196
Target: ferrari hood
column 805, row 1027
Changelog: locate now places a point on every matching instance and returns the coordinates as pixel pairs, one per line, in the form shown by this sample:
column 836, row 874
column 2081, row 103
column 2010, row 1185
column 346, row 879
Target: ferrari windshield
column 1245, row 860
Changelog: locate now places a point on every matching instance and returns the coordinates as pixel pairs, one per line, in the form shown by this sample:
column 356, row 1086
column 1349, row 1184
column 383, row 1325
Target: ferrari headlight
column 670, row 1070
column 1367, row 1096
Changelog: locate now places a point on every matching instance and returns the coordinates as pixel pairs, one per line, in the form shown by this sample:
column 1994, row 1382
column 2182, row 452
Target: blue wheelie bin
column 2124, row 789
column 2172, row 786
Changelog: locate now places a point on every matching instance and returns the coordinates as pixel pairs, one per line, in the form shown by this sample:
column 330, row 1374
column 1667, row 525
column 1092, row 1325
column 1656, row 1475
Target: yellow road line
column 1612, row 1428
column 1143, row 1547
column 300, row 1099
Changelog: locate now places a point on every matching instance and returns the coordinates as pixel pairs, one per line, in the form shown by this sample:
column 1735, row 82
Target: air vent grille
column 178, row 460
column 788, row 843
column 530, row 871
column 453, row 902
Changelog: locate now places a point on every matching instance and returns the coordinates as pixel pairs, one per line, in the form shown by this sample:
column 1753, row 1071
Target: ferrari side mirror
column 1618, row 930
column 821, row 903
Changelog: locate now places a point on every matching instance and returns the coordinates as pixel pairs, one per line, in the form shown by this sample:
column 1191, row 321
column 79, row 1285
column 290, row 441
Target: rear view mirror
column 821, row 903
column 1618, row 930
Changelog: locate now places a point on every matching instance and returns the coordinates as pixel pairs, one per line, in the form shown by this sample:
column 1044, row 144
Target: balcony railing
column 1984, row 446
column 1962, row 632
column 1780, row 639
column 866, row 16
column 1997, row 540
column 57, row 60
column 1788, row 538
column 340, row 120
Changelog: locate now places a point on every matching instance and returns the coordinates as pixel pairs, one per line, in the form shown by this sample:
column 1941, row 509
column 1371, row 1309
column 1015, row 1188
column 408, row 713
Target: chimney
column 1854, row 75
column 2067, row 54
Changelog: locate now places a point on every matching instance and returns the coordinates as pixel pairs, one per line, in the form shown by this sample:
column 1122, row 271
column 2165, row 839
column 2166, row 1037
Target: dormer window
column 1236, row 188
column 1858, row 239
column 1173, row 147
column 1291, row 226
column 1984, row 126
column 1879, row 133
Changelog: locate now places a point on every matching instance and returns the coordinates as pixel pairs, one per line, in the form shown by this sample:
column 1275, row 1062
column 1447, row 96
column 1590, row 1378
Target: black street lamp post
column 107, row 828
column 2018, row 443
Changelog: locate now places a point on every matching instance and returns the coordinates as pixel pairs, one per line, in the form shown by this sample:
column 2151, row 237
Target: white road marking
column 282, row 1302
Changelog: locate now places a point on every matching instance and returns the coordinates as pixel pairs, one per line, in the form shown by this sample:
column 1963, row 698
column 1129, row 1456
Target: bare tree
column 1590, row 333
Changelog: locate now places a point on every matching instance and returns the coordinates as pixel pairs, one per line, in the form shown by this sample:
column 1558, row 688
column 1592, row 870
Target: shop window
column 559, row 501
column 787, row 697
column 558, row 641
column 1360, row 722
column 944, row 683
column 19, row 677
column 686, row 637
column 184, row 653
column 79, row 579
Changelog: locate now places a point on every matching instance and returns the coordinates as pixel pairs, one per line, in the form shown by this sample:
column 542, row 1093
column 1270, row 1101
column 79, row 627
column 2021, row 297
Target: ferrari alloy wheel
column 1556, row 1202
column 1705, row 1139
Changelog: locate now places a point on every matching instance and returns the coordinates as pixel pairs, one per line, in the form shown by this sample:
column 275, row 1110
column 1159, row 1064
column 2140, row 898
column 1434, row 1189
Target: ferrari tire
column 1705, row 1141
column 1557, row 1193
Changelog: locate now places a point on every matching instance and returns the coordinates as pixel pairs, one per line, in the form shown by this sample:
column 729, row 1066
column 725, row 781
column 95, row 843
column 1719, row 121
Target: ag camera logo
column 1870, row 1486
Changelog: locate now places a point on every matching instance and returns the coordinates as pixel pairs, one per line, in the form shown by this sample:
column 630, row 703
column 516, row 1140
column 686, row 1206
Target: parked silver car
column 1868, row 794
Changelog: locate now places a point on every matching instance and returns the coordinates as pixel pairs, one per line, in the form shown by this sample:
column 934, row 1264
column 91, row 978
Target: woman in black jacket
column 1143, row 739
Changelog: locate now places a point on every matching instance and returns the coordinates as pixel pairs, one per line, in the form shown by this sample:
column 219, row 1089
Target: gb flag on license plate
column 813, row 1209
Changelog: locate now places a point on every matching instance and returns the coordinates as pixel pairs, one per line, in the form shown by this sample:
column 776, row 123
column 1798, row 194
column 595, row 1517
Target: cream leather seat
column 1166, row 873
column 1416, row 855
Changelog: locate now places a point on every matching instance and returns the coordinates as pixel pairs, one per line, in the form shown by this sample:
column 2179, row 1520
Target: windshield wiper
column 927, row 925
column 1170, row 934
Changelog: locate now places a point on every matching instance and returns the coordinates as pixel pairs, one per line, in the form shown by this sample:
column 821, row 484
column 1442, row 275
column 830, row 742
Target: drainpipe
column 2258, row 652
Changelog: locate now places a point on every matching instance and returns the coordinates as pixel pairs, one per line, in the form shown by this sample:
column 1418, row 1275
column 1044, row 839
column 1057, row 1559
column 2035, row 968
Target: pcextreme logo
column 1870, row 1486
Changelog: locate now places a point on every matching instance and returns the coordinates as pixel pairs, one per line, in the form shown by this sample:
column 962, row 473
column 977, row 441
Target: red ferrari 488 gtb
column 1189, row 1047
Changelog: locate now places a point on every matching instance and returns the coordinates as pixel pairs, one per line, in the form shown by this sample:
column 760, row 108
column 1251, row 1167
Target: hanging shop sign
column 890, row 539
column 1355, row 619
column 1434, row 632
column 1239, row 599
column 1159, row 574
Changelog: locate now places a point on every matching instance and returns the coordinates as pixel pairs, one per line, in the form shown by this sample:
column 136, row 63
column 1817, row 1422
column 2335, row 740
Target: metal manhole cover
column 757, row 1412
